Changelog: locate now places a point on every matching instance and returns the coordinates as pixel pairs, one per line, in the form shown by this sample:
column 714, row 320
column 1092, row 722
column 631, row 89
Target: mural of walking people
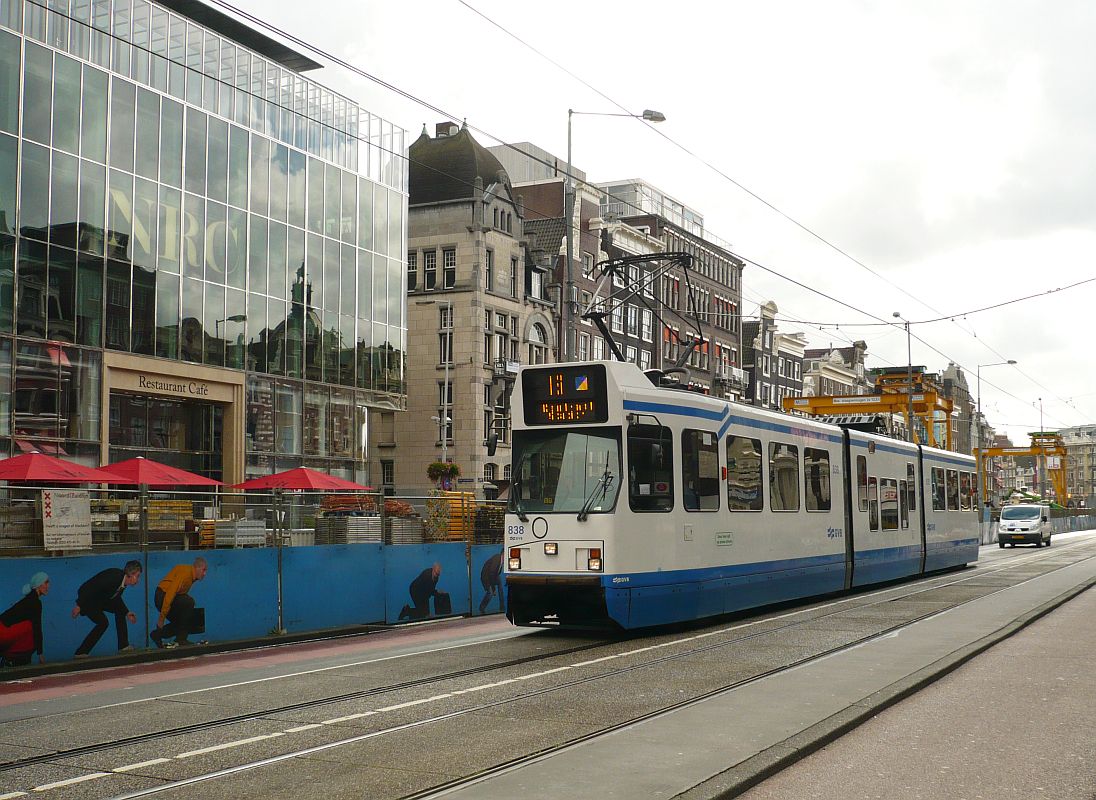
column 491, row 578
column 21, row 625
column 102, row 593
column 422, row 588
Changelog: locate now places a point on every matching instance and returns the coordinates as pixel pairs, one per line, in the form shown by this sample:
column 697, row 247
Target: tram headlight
column 551, row 548
column 593, row 563
column 515, row 558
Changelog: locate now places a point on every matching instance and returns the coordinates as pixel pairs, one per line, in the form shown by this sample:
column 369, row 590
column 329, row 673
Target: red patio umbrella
column 152, row 473
column 47, row 469
column 302, row 478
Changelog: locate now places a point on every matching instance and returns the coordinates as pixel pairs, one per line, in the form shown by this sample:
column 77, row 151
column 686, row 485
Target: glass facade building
column 201, row 250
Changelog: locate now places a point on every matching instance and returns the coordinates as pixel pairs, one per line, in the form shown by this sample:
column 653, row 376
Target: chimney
column 446, row 129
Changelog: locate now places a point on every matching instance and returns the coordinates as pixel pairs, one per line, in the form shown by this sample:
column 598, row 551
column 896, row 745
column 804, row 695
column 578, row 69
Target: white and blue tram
column 637, row 505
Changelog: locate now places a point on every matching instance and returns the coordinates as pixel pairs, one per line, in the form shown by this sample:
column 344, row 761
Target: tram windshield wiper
column 515, row 490
column 515, row 500
column 602, row 486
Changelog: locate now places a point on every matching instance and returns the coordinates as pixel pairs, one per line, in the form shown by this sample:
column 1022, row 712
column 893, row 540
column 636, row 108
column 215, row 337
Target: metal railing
column 128, row 520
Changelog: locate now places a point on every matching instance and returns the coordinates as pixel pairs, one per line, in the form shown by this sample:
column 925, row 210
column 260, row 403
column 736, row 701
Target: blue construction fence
column 321, row 587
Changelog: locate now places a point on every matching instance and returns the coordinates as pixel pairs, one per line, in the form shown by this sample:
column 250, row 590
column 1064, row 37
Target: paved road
column 1019, row 721
column 946, row 748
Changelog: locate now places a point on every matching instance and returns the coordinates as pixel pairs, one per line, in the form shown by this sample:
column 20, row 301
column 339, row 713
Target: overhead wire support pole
column 565, row 311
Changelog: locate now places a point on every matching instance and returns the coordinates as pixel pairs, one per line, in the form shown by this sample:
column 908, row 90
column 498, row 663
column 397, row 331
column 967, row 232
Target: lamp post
column 909, row 376
column 233, row 318
column 567, row 307
column 1042, row 463
column 978, row 422
column 445, row 419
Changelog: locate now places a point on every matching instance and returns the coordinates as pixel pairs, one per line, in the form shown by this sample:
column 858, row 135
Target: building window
column 587, row 265
column 412, row 271
column 449, row 268
column 489, row 270
column 584, row 347
column 388, row 472
column 489, row 472
column 430, row 269
column 513, row 276
column 538, row 344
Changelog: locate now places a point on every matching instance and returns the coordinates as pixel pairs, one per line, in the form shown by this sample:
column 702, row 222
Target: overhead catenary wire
column 407, row 95
column 739, row 185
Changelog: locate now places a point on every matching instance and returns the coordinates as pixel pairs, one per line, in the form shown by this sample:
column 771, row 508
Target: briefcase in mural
column 443, row 604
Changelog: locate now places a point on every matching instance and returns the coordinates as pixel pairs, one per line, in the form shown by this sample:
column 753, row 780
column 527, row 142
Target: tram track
column 519, row 761
column 251, row 716
column 848, row 604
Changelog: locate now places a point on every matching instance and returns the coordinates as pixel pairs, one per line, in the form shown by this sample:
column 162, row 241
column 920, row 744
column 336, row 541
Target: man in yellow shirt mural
column 175, row 604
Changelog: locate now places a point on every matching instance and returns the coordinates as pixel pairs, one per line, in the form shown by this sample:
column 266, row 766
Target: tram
column 633, row 504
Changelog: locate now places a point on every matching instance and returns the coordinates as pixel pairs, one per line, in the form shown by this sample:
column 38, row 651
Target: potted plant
column 442, row 473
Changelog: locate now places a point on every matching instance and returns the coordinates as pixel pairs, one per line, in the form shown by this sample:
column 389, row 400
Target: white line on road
column 139, row 765
column 347, row 718
column 69, row 782
column 226, row 745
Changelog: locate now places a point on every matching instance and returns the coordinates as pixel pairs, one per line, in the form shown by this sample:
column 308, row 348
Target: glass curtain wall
column 183, row 197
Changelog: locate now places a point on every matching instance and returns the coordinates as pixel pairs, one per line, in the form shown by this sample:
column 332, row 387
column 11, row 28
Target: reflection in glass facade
column 182, row 197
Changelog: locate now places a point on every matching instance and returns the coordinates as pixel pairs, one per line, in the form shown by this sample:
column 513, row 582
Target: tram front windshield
column 565, row 471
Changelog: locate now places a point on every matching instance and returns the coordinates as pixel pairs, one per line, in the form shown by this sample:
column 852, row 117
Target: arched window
column 489, row 471
column 506, row 472
column 496, row 223
column 538, row 344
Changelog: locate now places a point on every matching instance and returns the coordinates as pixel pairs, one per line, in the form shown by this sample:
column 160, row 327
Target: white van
column 1024, row 523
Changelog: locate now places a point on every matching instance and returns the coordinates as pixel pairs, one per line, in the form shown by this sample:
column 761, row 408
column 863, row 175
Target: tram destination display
column 564, row 395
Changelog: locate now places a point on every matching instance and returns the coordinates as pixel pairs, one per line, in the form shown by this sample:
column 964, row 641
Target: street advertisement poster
column 66, row 520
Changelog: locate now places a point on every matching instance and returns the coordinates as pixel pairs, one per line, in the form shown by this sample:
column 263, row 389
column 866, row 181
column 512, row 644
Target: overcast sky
column 946, row 147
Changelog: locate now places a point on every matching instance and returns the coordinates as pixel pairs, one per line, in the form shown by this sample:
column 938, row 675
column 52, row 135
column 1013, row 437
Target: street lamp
column 1042, row 463
column 909, row 376
column 567, row 309
column 978, row 423
column 233, row 318
column 444, row 420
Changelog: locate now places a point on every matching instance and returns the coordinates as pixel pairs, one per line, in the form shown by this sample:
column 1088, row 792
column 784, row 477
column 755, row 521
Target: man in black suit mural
column 421, row 590
column 102, row 593
column 491, row 578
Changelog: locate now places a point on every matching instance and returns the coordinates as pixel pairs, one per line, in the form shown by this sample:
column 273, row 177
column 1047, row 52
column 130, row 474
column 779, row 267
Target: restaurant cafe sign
column 173, row 386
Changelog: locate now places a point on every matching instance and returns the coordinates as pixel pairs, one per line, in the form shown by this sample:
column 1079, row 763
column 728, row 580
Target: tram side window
column 862, row 482
column 650, row 468
column 964, row 491
column 938, row 489
column 953, row 489
column 903, row 503
column 911, row 487
column 700, row 470
column 816, row 465
column 744, row 492
column 888, row 503
column 873, row 504
column 783, row 477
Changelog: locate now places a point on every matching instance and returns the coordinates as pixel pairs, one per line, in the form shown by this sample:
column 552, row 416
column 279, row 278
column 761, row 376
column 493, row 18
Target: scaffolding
column 1047, row 446
column 892, row 396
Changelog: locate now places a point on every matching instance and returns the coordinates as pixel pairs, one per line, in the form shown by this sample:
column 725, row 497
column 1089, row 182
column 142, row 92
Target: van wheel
column 1001, row 545
column 1047, row 542
column 1038, row 542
